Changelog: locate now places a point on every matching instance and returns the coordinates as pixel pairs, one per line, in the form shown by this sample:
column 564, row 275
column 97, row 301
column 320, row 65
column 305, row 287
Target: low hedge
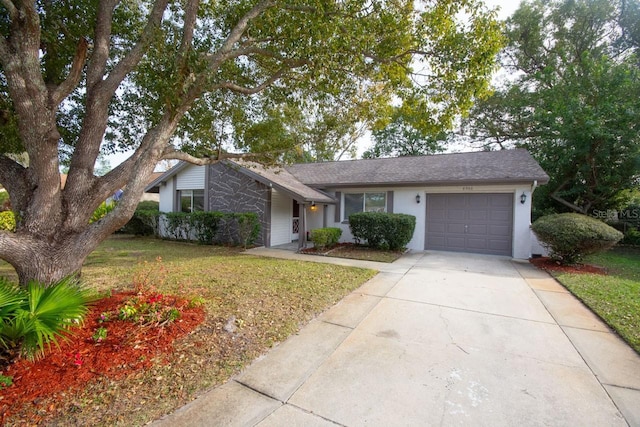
column 144, row 221
column 240, row 229
column 382, row 230
column 571, row 236
column 325, row 237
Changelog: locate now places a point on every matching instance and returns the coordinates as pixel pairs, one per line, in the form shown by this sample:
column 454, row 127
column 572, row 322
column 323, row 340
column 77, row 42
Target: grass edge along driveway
column 615, row 297
column 251, row 304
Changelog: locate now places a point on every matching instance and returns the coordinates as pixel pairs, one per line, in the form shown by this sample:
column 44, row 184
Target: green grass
column 269, row 298
column 365, row 253
column 615, row 297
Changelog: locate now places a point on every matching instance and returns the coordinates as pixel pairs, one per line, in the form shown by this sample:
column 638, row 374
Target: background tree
column 404, row 136
column 572, row 101
column 173, row 79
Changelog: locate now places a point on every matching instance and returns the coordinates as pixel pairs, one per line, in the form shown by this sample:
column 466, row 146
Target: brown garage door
column 481, row 223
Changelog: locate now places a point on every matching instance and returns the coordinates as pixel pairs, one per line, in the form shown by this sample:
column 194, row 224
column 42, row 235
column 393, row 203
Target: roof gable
column 282, row 180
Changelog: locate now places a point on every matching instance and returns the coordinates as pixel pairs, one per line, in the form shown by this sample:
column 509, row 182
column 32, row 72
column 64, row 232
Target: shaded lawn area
column 615, row 297
column 265, row 300
column 361, row 252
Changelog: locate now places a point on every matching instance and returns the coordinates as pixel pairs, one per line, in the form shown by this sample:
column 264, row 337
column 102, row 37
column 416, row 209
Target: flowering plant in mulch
column 123, row 333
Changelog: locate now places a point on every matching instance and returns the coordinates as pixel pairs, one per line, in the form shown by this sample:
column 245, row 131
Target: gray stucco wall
column 231, row 191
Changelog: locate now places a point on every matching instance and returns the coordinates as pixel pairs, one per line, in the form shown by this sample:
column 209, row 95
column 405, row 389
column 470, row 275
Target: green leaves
column 355, row 54
column 572, row 102
column 570, row 236
column 40, row 315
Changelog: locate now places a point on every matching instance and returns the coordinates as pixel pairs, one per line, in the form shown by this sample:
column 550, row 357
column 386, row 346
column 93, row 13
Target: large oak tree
column 176, row 79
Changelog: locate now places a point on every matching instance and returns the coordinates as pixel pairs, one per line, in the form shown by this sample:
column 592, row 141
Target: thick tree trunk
column 46, row 262
column 49, row 267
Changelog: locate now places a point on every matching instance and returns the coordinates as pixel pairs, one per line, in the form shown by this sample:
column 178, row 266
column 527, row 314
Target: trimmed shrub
column 248, row 228
column 325, row 237
column 144, row 221
column 7, row 221
column 205, row 225
column 382, row 230
column 571, row 236
column 241, row 229
column 148, row 205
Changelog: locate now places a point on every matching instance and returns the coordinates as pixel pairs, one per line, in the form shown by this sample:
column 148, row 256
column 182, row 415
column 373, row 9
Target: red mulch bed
column 548, row 264
column 129, row 347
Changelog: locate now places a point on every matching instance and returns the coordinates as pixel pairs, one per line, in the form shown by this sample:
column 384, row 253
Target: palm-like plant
column 44, row 314
column 10, row 300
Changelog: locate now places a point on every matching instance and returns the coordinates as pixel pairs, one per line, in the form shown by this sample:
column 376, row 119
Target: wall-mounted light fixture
column 523, row 198
column 313, row 207
column 417, row 198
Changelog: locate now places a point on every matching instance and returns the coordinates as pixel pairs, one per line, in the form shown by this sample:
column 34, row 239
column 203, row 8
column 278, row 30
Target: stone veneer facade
column 231, row 191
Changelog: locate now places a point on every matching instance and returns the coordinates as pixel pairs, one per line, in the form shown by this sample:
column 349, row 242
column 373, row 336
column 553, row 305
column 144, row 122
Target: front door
column 295, row 222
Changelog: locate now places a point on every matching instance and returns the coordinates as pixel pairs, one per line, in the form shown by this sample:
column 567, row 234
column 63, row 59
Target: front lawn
column 251, row 303
column 360, row 252
column 615, row 297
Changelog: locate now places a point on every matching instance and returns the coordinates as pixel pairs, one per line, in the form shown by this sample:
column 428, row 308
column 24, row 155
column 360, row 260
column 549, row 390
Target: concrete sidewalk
column 438, row 339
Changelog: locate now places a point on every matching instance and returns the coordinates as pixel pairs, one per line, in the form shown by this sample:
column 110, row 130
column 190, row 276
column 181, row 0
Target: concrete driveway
column 438, row 339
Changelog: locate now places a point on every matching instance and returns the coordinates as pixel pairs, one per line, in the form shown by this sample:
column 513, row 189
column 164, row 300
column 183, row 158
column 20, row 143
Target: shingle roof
column 302, row 180
column 283, row 180
column 506, row 166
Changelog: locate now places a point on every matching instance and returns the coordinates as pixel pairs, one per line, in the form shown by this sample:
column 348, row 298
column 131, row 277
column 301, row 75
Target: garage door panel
column 470, row 223
column 479, row 200
column 454, row 228
column 479, row 214
column 454, row 203
column 439, row 214
column 437, row 241
column 499, row 245
column 456, row 214
column 477, row 229
column 501, row 200
column 476, row 244
column 500, row 230
column 500, row 215
column 455, row 242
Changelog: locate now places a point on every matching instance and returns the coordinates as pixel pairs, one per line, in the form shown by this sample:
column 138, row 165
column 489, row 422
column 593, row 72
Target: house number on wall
column 467, row 188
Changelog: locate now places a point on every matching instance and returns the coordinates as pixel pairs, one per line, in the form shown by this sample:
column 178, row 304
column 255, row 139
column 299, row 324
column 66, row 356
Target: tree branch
column 101, row 41
column 251, row 90
column 190, row 17
column 75, row 74
column 11, row 8
column 173, row 154
column 13, row 177
column 131, row 60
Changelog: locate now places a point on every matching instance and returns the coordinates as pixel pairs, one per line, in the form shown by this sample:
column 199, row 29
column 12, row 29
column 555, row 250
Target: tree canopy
column 403, row 136
column 573, row 99
column 198, row 81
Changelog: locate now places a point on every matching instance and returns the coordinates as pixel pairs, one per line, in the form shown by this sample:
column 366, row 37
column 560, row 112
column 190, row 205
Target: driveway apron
column 438, row 339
